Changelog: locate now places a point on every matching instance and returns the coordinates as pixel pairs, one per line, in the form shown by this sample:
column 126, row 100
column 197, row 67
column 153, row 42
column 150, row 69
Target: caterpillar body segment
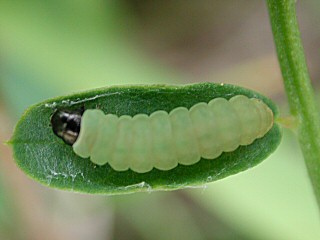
column 183, row 137
column 206, row 130
column 164, row 140
column 162, row 148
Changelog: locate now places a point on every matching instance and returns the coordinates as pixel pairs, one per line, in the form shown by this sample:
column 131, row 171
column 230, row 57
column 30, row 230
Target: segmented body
column 162, row 140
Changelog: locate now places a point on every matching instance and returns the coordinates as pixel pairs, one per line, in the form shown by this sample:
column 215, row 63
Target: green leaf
column 47, row 159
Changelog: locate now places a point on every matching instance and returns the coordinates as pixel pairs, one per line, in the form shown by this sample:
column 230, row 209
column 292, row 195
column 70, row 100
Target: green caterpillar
column 164, row 140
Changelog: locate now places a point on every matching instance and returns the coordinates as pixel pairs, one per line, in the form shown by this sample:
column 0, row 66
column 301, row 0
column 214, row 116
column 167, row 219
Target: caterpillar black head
column 66, row 125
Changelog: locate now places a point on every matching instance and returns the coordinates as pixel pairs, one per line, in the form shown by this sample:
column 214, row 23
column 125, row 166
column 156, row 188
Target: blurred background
column 52, row 48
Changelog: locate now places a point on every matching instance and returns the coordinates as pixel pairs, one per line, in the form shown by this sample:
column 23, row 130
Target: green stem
column 297, row 84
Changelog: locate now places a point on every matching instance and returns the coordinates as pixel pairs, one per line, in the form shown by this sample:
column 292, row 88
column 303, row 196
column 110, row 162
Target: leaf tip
column 8, row 142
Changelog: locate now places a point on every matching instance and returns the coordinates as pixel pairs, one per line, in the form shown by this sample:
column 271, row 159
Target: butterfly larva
column 162, row 140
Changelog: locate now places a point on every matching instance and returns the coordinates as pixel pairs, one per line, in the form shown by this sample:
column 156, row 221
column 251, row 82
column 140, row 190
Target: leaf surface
column 47, row 159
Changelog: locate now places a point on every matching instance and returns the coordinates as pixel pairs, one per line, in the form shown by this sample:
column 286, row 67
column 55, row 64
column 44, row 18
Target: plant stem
column 297, row 84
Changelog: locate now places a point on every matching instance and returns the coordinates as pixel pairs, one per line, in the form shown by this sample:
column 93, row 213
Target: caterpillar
column 163, row 140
